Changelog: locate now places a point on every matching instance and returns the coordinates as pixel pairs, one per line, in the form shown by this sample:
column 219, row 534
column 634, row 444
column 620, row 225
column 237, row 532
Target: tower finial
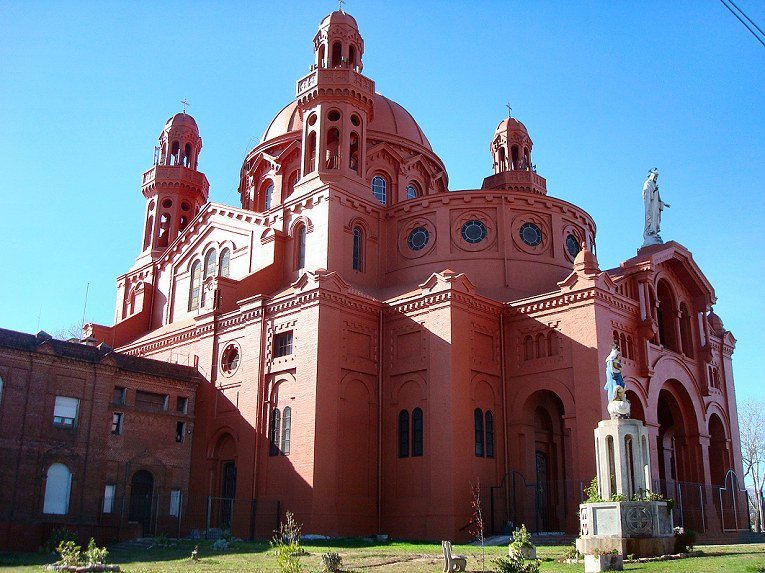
column 509, row 110
column 185, row 103
column 341, row 2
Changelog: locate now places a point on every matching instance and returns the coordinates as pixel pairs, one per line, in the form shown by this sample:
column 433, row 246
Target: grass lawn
column 360, row 556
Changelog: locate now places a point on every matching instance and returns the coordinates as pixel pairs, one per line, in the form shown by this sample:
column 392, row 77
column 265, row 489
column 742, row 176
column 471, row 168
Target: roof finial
column 341, row 2
column 509, row 110
column 185, row 103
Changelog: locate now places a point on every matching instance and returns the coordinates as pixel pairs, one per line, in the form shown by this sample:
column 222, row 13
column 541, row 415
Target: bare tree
column 752, row 426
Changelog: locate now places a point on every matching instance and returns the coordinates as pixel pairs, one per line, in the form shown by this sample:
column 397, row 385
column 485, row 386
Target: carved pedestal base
column 640, row 528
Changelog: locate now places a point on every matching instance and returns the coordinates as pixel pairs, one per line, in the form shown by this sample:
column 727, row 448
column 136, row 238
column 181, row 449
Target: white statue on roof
column 653, row 208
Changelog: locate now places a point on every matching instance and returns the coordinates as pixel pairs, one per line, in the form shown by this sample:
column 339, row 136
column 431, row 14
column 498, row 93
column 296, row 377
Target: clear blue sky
column 606, row 89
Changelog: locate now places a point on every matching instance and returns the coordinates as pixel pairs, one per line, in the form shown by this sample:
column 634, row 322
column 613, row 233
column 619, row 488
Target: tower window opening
column 352, row 56
column 337, row 51
column 147, row 232
column 355, row 120
column 300, row 248
column 182, row 222
column 310, row 161
column 379, row 189
column 353, row 152
column 321, row 62
column 164, row 230
column 187, row 155
column 333, row 115
column 514, row 156
column 502, row 159
column 358, row 249
column 333, row 148
column 175, row 153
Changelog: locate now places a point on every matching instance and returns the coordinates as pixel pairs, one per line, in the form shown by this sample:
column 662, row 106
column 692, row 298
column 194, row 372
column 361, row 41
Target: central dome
column 389, row 118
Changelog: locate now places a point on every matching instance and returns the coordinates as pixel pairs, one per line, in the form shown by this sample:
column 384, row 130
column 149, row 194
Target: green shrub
column 69, row 553
column 521, row 538
column 591, row 492
column 58, row 535
column 331, row 561
column 95, row 555
column 516, row 564
column 572, row 553
column 286, row 544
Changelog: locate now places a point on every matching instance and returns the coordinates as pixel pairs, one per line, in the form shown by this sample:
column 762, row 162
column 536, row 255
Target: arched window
column 353, row 155
column 310, row 163
column 225, row 260
column 502, row 159
column 337, row 50
column 411, row 191
column 417, row 432
column 58, row 484
column 552, row 343
column 379, row 189
column 616, row 339
column 489, row 434
column 623, row 344
column 478, row 427
column 286, row 430
column 403, row 434
column 528, row 348
column 175, row 152
column 321, row 63
column 147, row 232
column 195, row 283
column 541, row 345
column 164, row 230
column 666, row 315
column 358, row 249
column 268, row 197
column 352, row 56
column 515, row 158
column 631, row 349
column 300, row 247
column 333, row 148
column 210, row 262
column 274, row 432
column 187, row 155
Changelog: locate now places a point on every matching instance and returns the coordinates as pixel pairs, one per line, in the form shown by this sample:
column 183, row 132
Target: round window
column 229, row 362
column 355, row 120
column 167, row 203
column 474, row 231
column 572, row 245
column 312, row 119
column 531, row 234
column 418, row 238
column 333, row 115
column 184, row 206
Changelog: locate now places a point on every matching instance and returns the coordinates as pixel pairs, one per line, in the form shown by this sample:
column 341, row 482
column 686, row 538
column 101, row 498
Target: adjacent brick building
column 90, row 439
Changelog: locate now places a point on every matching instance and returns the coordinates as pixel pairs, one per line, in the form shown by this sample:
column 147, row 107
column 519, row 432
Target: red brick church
column 369, row 342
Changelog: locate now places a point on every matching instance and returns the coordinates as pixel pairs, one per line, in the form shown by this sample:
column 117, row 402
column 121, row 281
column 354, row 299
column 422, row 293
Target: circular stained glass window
column 572, row 245
column 531, row 234
column 418, row 238
column 474, row 231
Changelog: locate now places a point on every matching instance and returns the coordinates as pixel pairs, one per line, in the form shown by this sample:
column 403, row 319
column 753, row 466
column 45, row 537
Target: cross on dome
column 185, row 103
column 341, row 2
column 509, row 110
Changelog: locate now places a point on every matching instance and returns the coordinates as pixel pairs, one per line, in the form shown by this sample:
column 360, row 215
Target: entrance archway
column 141, row 496
column 224, row 485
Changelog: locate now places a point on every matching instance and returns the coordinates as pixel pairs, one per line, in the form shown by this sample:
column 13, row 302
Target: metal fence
column 175, row 515
column 553, row 505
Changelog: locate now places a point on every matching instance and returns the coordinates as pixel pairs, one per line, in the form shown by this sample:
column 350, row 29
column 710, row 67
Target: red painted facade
column 411, row 339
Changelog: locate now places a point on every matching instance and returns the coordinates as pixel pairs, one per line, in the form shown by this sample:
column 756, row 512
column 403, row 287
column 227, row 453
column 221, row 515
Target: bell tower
column 336, row 103
column 511, row 159
column 173, row 188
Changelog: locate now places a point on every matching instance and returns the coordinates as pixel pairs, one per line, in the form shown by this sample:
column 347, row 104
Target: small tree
column 476, row 524
column 752, row 428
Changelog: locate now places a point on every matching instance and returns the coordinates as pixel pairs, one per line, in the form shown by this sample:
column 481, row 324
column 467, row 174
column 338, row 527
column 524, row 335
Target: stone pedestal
column 642, row 528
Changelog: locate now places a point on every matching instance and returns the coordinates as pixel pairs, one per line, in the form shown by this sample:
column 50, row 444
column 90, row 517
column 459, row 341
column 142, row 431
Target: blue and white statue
column 614, row 381
column 618, row 405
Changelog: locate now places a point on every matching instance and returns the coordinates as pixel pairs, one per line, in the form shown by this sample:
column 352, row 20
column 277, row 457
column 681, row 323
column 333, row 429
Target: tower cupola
column 510, row 149
column 336, row 103
column 338, row 43
column 174, row 190
column 511, row 146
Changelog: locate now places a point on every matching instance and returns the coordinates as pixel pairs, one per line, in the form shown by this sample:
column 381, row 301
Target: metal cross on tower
column 509, row 110
column 185, row 103
column 341, row 2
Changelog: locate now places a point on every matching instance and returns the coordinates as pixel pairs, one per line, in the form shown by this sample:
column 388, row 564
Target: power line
column 760, row 40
